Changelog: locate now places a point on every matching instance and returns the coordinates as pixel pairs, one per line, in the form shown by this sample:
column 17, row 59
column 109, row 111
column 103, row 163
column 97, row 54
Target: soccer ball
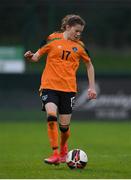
column 76, row 158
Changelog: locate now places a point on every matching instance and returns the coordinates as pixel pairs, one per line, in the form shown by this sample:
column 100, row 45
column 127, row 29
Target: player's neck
column 65, row 35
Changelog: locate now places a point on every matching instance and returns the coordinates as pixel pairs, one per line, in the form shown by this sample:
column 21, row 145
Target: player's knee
column 63, row 128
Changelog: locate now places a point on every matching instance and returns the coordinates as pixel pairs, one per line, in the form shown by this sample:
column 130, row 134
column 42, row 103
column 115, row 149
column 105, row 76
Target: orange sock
column 53, row 135
column 64, row 137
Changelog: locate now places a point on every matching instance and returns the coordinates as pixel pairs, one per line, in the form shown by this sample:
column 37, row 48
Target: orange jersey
column 62, row 63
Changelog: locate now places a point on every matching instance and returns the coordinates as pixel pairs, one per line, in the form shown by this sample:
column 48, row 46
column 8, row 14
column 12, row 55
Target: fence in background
column 27, row 22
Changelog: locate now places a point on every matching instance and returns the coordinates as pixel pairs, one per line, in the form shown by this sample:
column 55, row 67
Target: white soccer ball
column 76, row 158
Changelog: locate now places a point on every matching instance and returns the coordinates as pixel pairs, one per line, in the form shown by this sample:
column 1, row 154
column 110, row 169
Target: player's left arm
column 90, row 73
column 91, row 79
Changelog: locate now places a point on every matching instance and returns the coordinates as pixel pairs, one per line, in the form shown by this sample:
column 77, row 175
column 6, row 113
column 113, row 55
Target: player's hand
column 91, row 94
column 28, row 55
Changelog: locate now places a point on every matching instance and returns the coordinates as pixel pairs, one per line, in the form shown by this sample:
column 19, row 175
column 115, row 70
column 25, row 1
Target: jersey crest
column 75, row 49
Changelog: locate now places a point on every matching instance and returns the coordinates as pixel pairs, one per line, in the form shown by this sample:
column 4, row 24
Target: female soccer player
column 58, row 83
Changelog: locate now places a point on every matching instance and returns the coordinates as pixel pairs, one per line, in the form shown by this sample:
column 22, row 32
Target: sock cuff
column 51, row 118
column 63, row 128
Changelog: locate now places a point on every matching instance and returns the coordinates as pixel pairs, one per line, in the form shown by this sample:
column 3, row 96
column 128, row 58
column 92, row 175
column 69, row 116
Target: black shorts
column 64, row 100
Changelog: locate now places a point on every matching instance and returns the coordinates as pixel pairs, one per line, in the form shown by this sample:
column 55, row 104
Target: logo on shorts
column 73, row 101
column 74, row 49
column 44, row 97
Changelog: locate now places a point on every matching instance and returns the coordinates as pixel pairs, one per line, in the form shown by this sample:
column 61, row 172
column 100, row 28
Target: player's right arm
column 44, row 48
column 34, row 57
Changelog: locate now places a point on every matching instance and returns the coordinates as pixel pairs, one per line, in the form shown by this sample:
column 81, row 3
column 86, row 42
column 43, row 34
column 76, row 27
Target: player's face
column 74, row 32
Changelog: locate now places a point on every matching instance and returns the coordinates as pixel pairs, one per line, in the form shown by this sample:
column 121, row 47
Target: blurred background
column 25, row 23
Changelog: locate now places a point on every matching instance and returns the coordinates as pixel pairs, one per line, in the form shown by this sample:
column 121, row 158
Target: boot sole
column 52, row 163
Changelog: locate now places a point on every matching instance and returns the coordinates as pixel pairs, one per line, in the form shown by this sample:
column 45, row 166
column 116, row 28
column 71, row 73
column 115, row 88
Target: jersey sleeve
column 85, row 55
column 46, row 44
column 84, row 52
column 44, row 49
column 51, row 36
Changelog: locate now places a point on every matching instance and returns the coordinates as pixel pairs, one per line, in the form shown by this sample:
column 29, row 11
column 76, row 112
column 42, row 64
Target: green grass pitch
column 23, row 145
